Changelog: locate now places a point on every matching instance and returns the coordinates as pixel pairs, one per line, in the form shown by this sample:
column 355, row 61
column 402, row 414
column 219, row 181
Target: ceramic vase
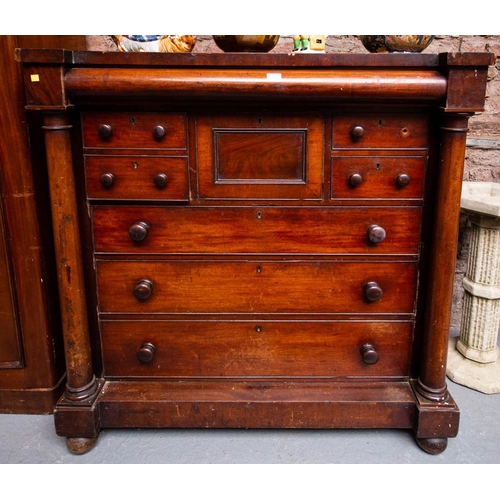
column 396, row 43
column 246, row 43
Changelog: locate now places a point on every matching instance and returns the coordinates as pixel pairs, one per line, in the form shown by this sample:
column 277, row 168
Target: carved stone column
column 473, row 357
column 481, row 310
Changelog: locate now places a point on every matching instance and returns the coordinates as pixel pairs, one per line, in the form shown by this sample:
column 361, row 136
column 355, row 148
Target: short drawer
column 262, row 230
column 260, row 287
column 255, row 349
column 260, row 156
column 383, row 177
column 380, row 131
column 136, row 177
column 134, row 130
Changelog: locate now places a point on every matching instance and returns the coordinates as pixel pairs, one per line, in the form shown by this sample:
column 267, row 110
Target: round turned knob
column 138, row 231
column 143, row 289
column 375, row 234
column 107, row 179
column 355, row 180
column 372, row 291
column 160, row 180
column 403, row 180
column 159, row 132
column 146, row 353
column 357, row 132
column 105, row 131
column 369, row 354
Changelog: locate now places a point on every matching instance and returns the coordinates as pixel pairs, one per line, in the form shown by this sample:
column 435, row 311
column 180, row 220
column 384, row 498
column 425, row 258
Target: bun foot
column 434, row 446
column 80, row 446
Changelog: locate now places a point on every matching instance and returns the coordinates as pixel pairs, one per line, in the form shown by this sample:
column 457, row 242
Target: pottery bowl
column 246, row 43
column 396, row 43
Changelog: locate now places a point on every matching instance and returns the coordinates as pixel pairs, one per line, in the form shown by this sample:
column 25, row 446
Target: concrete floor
column 30, row 439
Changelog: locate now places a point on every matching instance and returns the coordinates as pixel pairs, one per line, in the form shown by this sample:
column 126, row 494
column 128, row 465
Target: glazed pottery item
column 396, row 43
column 155, row 43
column 309, row 44
column 246, row 43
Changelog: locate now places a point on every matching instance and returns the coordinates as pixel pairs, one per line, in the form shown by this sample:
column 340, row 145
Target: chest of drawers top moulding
column 337, row 77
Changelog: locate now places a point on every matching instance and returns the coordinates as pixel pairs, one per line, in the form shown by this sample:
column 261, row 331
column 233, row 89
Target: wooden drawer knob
column 146, row 353
column 357, row 132
column 159, row 132
column 403, row 180
column 143, row 289
column 369, row 354
column 355, row 180
column 138, row 231
column 107, row 179
column 375, row 234
column 160, row 180
column 372, row 291
column 105, row 131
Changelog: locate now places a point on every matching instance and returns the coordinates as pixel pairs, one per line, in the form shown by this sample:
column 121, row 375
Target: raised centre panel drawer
column 235, row 286
column 129, row 130
column 380, row 131
column 256, row 230
column 260, row 156
column 380, row 177
column 136, row 177
column 253, row 349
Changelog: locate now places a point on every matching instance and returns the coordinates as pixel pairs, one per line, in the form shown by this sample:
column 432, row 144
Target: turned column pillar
column 432, row 379
column 81, row 382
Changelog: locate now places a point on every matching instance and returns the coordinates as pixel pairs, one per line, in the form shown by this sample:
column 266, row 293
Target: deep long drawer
column 256, row 287
column 252, row 349
column 258, row 230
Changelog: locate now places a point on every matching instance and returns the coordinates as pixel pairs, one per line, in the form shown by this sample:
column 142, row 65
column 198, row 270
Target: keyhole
column 259, row 121
column 132, row 121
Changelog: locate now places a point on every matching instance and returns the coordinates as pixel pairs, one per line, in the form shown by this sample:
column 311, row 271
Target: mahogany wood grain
column 31, row 359
column 378, row 177
column 432, row 378
column 73, row 42
column 267, row 405
column 10, row 340
column 80, row 380
column 258, row 287
column 134, row 130
column 380, row 131
column 257, row 230
column 249, row 276
column 346, row 84
column 255, row 349
column 260, row 155
column 134, row 177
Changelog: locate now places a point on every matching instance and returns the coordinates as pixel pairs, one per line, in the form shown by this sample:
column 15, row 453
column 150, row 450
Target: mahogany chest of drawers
column 255, row 240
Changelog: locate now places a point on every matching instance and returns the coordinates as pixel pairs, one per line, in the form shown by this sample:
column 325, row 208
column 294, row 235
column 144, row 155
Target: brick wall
column 482, row 162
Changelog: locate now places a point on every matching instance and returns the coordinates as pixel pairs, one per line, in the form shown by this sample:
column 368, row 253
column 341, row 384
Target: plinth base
column 482, row 377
